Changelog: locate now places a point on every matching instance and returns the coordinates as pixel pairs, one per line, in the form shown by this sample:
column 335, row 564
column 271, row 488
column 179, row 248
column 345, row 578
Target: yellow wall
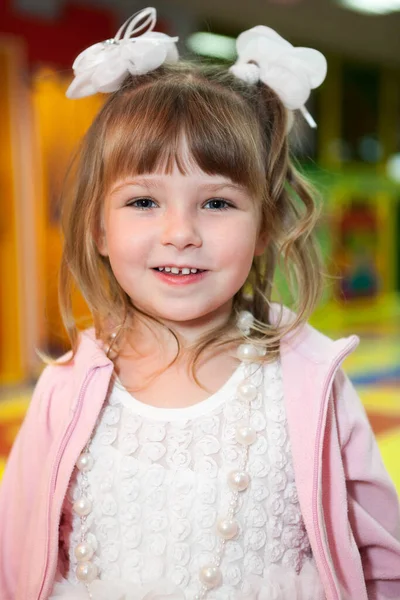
column 61, row 123
column 11, row 356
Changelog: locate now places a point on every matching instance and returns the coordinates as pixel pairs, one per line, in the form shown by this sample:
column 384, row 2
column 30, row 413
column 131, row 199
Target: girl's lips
column 171, row 279
column 179, row 270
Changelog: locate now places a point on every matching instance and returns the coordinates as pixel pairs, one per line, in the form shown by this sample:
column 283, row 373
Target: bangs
column 185, row 123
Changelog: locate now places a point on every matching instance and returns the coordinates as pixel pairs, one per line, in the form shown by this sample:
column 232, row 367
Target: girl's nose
column 180, row 230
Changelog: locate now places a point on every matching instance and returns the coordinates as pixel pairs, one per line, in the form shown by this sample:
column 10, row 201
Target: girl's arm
column 372, row 500
column 22, row 491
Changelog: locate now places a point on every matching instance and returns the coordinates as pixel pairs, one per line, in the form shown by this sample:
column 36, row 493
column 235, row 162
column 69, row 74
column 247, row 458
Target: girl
column 199, row 441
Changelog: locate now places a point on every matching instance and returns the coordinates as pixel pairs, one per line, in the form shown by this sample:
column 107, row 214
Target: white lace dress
column 159, row 486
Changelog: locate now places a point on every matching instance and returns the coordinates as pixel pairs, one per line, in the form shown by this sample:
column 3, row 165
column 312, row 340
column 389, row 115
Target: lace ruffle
column 277, row 583
column 107, row 590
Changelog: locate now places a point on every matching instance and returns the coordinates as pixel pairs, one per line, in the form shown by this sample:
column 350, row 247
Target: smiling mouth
column 179, row 271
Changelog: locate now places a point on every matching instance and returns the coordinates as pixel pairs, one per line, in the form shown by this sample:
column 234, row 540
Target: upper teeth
column 176, row 271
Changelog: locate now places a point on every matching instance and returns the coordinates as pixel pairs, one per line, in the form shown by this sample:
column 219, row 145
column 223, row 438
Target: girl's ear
column 102, row 246
column 261, row 244
column 100, row 239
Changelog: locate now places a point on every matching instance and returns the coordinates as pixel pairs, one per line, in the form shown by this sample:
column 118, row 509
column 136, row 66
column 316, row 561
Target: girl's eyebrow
column 214, row 187
column 154, row 183
column 139, row 182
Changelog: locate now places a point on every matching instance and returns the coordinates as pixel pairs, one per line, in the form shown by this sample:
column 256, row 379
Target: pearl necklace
column 238, row 480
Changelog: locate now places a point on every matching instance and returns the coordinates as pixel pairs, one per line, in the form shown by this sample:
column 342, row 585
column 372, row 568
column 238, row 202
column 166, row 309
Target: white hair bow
column 103, row 66
column 263, row 55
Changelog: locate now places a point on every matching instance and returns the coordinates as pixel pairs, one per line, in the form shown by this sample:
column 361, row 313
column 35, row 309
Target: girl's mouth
column 179, row 275
column 179, row 270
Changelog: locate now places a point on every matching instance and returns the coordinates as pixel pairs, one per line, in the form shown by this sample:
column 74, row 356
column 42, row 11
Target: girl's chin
column 189, row 316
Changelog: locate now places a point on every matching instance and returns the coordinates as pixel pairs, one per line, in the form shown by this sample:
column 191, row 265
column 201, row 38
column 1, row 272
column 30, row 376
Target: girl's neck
column 144, row 363
column 147, row 337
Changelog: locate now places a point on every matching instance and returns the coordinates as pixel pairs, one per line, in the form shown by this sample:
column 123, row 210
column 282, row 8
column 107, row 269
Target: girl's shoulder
column 308, row 343
column 60, row 381
column 89, row 352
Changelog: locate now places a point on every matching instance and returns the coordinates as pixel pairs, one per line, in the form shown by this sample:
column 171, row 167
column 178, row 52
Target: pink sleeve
column 372, row 499
column 22, row 489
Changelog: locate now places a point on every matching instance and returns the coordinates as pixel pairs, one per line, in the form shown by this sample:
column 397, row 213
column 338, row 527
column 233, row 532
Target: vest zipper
column 326, row 391
column 60, row 453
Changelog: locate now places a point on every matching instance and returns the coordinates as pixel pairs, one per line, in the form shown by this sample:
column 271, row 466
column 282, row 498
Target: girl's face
column 204, row 224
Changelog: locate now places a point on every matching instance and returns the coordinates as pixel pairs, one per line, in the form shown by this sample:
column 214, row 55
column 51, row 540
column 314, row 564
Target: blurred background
column 353, row 158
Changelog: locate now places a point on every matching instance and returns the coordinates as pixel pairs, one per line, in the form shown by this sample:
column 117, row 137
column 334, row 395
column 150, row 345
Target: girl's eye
column 218, row 204
column 143, row 203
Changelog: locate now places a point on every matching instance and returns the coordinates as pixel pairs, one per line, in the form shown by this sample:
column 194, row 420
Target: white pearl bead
column 86, row 572
column 245, row 321
column 85, row 462
column 82, row 506
column 245, row 434
column 210, row 576
column 238, row 480
column 247, row 352
column 227, row 528
column 84, row 551
column 247, row 391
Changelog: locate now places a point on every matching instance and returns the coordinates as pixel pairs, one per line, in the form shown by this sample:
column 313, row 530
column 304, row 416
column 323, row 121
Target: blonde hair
column 230, row 128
